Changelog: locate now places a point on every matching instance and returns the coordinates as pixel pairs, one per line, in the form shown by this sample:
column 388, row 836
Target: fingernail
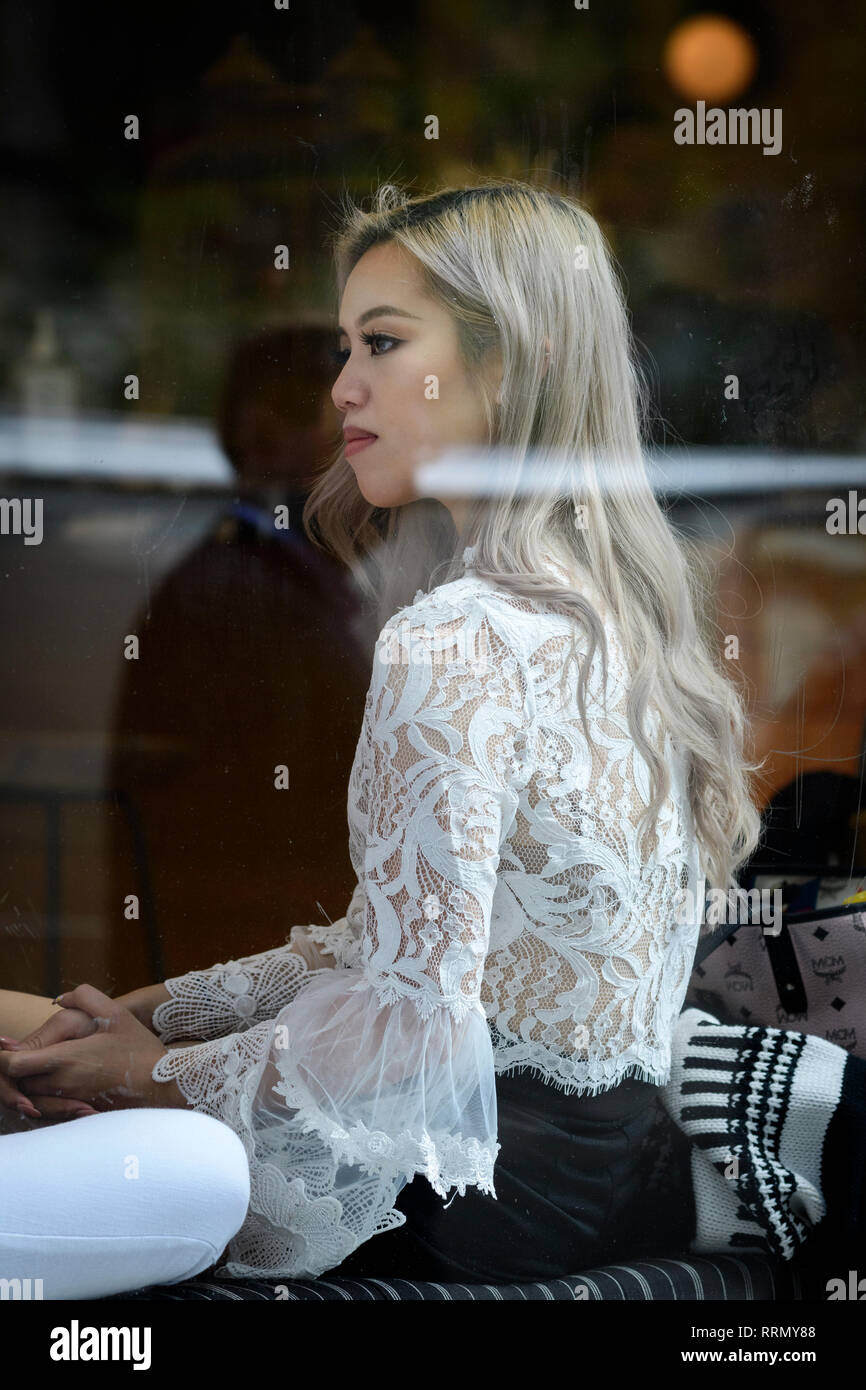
column 29, row 1111
column 9, row 1042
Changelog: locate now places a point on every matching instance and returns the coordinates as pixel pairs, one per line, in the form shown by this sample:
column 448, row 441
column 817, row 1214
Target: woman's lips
column 353, row 445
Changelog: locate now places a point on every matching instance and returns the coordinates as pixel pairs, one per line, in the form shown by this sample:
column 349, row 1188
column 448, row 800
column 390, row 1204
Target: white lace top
column 504, row 917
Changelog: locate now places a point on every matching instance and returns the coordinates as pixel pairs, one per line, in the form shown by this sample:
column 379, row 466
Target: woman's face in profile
column 403, row 380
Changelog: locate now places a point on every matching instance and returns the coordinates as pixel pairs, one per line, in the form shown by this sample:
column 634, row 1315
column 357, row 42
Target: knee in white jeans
column 120, row 1200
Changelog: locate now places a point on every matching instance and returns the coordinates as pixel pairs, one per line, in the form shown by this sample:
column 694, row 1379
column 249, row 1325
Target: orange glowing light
column 709, row 57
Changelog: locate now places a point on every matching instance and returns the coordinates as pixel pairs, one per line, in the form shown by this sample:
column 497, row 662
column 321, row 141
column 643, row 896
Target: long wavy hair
column 528, row 273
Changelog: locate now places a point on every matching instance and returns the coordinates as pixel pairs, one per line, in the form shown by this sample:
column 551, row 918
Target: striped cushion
column 714, row 1277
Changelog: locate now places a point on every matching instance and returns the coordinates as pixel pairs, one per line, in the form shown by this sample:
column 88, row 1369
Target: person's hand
column 109, row 1068
column 142, row 1002
column 59, row 1027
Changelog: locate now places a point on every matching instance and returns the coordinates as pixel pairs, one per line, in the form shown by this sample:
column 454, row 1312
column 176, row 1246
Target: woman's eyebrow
column 379, row 311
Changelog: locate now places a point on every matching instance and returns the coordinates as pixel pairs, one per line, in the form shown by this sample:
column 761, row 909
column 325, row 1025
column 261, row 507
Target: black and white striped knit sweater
column 761, row 1108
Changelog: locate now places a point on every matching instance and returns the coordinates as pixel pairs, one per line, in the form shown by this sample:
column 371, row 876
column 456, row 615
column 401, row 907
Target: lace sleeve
column 237, row 994
column 383, row 1069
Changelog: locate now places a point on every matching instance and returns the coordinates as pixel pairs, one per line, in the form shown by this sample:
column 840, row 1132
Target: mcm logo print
column 829, row 968
column 738, row 980
column 785, row 1020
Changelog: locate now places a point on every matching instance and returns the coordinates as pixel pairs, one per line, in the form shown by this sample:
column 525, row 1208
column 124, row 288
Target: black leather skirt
column 580, row 1181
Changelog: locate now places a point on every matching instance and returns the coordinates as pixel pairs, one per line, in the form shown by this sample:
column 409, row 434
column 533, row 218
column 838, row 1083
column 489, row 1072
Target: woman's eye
column 373, row 341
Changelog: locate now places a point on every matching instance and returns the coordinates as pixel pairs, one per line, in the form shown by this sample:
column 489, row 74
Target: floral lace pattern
column 506, row 916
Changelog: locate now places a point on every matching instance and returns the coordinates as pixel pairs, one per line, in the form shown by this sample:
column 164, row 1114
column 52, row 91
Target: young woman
column 550, row 770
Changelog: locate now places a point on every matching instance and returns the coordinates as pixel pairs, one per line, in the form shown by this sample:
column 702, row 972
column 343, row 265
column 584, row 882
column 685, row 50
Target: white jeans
column 117, row 1201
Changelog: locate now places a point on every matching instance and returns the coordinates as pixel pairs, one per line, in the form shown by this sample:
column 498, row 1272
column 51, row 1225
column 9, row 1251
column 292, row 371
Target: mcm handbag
column 806, row 972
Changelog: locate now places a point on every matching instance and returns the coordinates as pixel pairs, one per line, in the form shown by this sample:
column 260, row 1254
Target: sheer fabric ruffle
column 339, row 1101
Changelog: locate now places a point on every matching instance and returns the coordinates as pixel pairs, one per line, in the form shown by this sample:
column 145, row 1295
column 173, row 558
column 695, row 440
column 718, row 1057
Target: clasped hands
column 94, row 1055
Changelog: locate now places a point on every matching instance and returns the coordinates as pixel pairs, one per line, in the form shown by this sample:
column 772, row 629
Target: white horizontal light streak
column 474, row 473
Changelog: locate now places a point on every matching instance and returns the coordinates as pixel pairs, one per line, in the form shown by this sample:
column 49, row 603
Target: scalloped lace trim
column 584, row 1076
column 230, row 997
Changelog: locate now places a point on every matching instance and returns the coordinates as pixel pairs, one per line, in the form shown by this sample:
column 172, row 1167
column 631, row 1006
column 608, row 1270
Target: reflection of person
column 271, row 415
column 248, row 648
column 499, row 1000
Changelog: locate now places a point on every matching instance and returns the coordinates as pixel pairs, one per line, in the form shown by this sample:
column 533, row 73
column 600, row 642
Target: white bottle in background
column 47, row 383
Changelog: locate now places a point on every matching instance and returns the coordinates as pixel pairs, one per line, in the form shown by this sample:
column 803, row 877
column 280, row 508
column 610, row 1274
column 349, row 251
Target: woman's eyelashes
column 372, row 341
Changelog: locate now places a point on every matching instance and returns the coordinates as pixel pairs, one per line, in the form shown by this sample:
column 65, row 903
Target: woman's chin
column 381, row 493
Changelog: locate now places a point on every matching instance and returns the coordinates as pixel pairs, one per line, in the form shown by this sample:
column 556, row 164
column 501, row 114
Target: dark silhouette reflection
column 812, row 820
column 253, row 653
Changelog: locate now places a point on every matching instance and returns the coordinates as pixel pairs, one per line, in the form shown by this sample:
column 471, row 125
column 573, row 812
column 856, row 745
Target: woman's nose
column 349, row 389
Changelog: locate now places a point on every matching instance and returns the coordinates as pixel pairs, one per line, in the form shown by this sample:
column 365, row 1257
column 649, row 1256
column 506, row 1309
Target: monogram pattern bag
column 807, row 973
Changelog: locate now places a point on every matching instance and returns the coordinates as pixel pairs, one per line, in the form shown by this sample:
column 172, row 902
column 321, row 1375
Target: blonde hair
column 528, row 272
